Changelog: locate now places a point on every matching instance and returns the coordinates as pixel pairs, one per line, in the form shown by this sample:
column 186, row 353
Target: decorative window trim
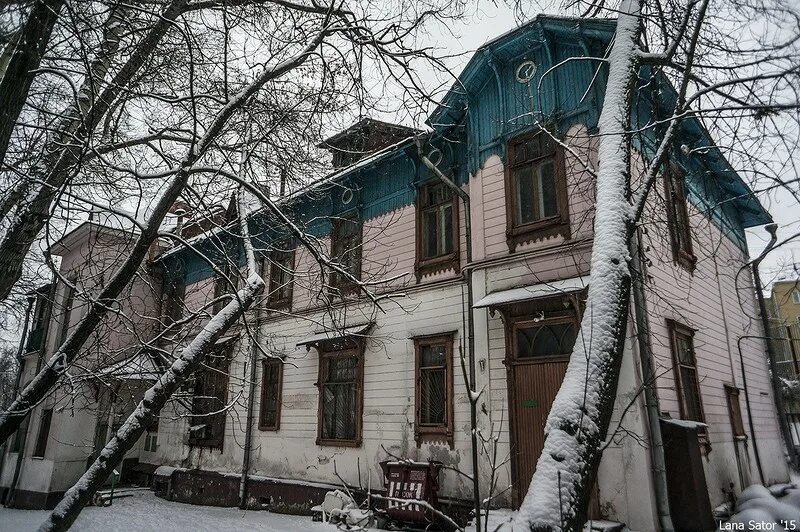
column 327, row 350
column 273, row 301
column 674, row 186
column 443, row 432
column 262, row 425
column 339, row 285
column 675, row 330
column 450, row 261
column 517, row 234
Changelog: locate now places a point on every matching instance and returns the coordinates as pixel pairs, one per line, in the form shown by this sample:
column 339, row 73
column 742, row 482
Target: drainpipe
column 772, row 229
column 21, row 451
column 652, row 407
column 747, row 404
column 467, row 273
column 248, row 431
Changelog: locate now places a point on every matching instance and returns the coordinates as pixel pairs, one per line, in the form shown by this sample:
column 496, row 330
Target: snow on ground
column 760, row 508
column 144, row 512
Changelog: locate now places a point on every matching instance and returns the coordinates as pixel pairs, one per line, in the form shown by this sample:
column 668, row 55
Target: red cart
column 413, row 481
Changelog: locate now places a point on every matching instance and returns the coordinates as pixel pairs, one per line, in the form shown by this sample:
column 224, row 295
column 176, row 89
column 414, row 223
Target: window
column 687, row 383
column 735, row 411
column 796, row 297
column 545, row 338
column 346, row 250
column 44, row 433
column 678, row 218
column 269, row 415
column 175, row 293
column 68, row 302
column 281, row 277
column 209, row 401
column 225, row 280
column 17, row 443
column 341, row 392
column 536, row 190
column 151, row 438
column 437, row 229
column 434, row 387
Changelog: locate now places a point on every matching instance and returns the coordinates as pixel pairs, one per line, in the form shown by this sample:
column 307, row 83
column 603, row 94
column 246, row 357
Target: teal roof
column 487, row 106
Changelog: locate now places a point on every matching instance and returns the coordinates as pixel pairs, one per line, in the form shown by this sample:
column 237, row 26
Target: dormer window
column 536, row 189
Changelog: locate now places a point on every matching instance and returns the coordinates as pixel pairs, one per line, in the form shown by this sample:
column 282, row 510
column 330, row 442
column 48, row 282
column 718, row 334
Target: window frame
column 227, row 271
column 67, row 303
column 735, row 411
column 174, row 301
column 17, row 444
column 43, row 435
column 262, row 425
column 428, row 265
column 434, row 432
column 338, row 283
column 225, row 351
column 558, row 224
column 273, row 301
column 567, row 317
column 678, row 219
column 677, row 330
column 327, row 350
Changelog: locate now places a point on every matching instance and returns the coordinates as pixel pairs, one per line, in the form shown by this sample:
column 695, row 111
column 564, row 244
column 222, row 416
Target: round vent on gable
column 525, row 71
column 347, row 196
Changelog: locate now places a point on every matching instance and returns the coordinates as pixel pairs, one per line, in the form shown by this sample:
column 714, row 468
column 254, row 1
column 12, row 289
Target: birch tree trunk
column 558, row 495
column 18, row 61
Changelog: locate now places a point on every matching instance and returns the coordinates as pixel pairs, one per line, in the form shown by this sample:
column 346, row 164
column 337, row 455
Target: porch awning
column 335, row 334
column 140, row 366
column 535, row 291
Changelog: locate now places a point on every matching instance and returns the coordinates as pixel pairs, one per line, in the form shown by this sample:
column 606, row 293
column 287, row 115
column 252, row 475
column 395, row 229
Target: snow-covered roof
column 140, row 366
column 525, row 293
column 334, row 334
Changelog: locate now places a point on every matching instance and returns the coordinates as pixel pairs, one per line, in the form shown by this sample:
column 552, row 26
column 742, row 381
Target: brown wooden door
column 535, row 388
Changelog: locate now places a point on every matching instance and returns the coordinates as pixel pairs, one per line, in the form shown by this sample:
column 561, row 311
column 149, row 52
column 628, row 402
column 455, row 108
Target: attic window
column 536, row 190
